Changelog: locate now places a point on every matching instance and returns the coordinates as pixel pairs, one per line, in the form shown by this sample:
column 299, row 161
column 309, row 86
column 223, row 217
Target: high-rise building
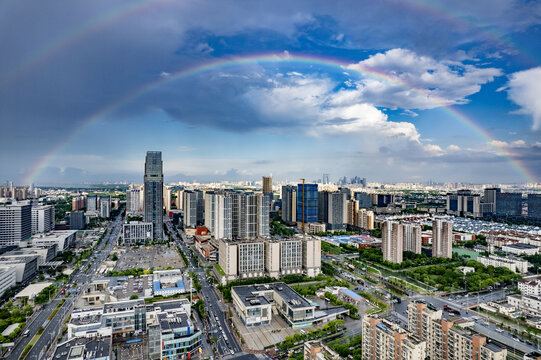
column 508, row 204
column 464, row 203
column 250, row 215
column 289, row 204
column 77, row 220
column 366, row 219
column 307, row 203
column 364, row 199
column 267, row 184
column 392, row 242
column 384, row 340
column 488, row 206
column 133, row 200
column 382, row 200
column 179, row 200
column 534, row 206
column 105, row 206
column 78, row 203
column 92, row 203
column 218, row 215
column 332, row 209
column 153, row 180
column 42, row 218
column 412, row 237
column 190, row 208
column 325, row 179
column 15, row 223
column 167, row 199
column 352, row 212
column 442, row 239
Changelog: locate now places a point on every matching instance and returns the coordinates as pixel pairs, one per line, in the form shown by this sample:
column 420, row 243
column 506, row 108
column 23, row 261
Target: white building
column 526, row 303
column 8, row 278
column 42, row 219
column 61, row 238
column 218, row 215
column 442, row 239
column 15, row 223
column 136, row 232
column 170, row 282
column 521, row 249
column 514, row 264
column 412, row 237
column 530, row 286
column 134, row 203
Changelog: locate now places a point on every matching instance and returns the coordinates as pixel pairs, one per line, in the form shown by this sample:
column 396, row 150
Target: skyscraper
column 332, row 209
column 442, row 239
column 267, row 184
column 508, row 204
column 154, row 192
column 534, row 206
column 307, row 203
column 392, row 242
column 289, row 204
column 218, row 215
column 412, row 237
column 15, row 223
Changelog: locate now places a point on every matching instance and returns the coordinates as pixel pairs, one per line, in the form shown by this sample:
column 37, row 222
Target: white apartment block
column 412, row 238
column 218, row 215
column 392, row 242
column 514, row 264
column 526, row 303
column 530, row 286
column 42, row 219
column 134, row 200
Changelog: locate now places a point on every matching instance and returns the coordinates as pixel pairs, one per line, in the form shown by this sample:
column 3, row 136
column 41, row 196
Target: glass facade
column 307, row 194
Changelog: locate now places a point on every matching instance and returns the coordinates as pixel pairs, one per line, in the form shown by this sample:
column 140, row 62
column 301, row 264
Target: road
column 217, row 326
column 52, row 327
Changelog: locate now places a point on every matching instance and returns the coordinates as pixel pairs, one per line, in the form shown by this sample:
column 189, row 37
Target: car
column 499, row 330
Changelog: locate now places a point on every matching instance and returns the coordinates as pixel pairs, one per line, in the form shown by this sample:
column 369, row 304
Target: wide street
column 227, row 344
column 52, row 327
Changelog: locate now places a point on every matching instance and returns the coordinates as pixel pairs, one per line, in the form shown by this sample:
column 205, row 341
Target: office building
column 534, row 206
column 92, row 203
column 190, row 208
column 311, row 256
column 332, row 209
column 133, row 200
column 179, row 201
column 289, row 204
column 446, row 339
column 104, row 206
column 464, row 203
column 385, row 340
column 307, row 203
column 42, row 218
column 218, row 215
column 15, row 223
column 508, row 204
column 8, row 278
column 77, row 220
column 364, row 199
column 153, row 192
column 392, row 242
column 382, row 200
column 412, row 237
column 26, row 266
column 267, row 184
column 62, row 239
column 290, row 256
column 488, row 205
column 137, row 232
column 442, row 239
column 94, row 348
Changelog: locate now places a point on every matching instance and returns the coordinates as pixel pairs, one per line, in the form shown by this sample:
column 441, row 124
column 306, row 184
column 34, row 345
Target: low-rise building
column 32, row 290
column 530, row 286
column 514, row 264
column 26, row 267
column 521, row 249
column 135, row 232
column 527, row 304
column 97, row 348
column 317, row 350
column 170, row 282
column 349, row 296
column 61, row 238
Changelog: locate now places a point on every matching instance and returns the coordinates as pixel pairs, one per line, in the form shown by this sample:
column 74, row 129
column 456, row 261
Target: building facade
column 442, row 239
column 218, row 215
column 153, row 195
column 137, row 232
column 412, row 237
column 307, row 203
column 42, row 218
column 392, row 241
column 15, row 223
column 289, row 204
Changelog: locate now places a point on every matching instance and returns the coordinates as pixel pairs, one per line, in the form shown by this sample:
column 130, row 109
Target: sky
column 393, row 91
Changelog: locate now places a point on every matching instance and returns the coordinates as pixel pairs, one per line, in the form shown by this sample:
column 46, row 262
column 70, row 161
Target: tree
column 134, row 297
column 115, row 257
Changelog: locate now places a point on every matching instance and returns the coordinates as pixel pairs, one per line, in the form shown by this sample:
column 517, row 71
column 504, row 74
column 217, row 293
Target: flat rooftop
column 170, row 322
column 522, row 246
column 78, row 348
column 32, row 290
column 351, row 294
column 291, row 297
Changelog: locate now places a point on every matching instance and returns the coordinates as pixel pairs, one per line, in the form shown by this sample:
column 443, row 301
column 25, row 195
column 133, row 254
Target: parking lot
column 146, row 257
column 125, row 287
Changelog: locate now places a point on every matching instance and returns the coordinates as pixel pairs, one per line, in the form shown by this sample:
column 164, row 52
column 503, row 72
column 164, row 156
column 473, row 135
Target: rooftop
column 522, row 246
column 351, row 294
column 170, row 322
column 251, row 293
column 32, row 290
column 94, row 348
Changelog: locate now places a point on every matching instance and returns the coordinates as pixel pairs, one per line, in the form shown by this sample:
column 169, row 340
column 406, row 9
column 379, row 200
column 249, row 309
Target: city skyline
column 394, row 91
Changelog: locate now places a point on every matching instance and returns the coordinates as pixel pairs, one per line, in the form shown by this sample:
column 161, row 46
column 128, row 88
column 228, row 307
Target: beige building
column 392, row 242
column 311, row 256
column 514, row 264
column 317, row 350
column 352, row 212
column 384, row 340
column 366, row 219
column 446, row 340
column 442, row 239
column 412, row 238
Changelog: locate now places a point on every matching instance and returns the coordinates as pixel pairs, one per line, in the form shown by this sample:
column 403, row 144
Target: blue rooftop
column 351, row 294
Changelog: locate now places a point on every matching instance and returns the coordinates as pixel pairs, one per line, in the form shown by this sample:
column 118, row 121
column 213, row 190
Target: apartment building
column 392, row 242
column 530, row 286
column 442, row 239
column 445, row 339
column 412, row 238
column 513, row 263
column 384, row 340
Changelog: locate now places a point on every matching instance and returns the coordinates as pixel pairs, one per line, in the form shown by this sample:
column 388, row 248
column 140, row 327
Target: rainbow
column 226, row 63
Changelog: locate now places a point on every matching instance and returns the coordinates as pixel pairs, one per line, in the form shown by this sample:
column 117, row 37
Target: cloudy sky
column 408, row 90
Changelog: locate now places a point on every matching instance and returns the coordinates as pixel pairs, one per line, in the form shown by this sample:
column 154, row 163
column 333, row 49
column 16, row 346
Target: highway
column 227, row 344
column 52, row 327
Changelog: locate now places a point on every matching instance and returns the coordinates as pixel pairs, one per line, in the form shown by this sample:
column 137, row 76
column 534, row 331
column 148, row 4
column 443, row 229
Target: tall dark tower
column 154, row 192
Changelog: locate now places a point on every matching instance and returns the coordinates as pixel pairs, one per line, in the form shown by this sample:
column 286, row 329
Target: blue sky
column 387, row 113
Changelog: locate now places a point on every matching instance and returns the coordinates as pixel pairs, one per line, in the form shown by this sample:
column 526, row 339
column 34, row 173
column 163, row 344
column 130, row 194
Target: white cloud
column 400, row 78
column 525, row 91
